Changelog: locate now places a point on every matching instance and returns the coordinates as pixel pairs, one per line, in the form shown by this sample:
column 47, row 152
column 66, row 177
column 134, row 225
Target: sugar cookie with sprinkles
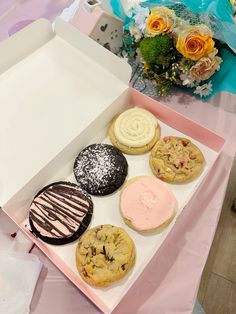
column 135, row 131
column 100, row 169
column 60, row 213
column 176, row 160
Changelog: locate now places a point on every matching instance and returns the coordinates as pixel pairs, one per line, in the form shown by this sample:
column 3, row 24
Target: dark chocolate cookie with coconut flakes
column 100, row 169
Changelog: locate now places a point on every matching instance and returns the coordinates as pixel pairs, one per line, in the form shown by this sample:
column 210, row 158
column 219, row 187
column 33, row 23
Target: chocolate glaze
column 60, row 213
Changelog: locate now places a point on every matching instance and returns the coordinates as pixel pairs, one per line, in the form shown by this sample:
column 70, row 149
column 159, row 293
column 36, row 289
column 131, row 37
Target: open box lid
column 52, row 86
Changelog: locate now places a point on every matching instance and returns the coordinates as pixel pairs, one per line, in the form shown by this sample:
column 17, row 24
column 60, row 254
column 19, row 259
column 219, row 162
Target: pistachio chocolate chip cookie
column 104, row 254
column 176, row 160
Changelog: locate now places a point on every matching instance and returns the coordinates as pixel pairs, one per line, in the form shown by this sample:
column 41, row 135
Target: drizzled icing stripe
column 59, row 210
column 135, row 127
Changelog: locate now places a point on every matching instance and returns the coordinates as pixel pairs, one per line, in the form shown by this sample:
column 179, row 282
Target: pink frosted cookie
column 146, row 203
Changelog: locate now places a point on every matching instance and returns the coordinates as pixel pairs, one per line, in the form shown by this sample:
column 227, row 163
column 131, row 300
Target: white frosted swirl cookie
column 135, row 131
column 135, row 127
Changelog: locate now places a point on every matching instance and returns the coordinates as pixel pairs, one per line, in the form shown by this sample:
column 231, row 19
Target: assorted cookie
column 135, row 131
column 176, row 160
column 60, row 213
column 100, row 169
column 104, row 255
column 147, row 204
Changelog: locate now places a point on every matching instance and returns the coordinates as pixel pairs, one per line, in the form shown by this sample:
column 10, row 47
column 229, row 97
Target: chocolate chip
column 123, row 266
column 109, row 258
column 104, row 250
column 93, row 250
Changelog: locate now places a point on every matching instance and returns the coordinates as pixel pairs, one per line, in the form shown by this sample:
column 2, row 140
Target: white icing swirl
column 135, row 127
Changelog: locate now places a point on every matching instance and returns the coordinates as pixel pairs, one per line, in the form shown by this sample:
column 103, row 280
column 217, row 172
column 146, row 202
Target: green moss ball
column 152, row 48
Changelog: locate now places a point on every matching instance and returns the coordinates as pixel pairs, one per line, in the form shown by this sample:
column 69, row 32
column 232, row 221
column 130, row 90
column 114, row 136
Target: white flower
column 204, row 90
column 213, row 54
column 180, row 25
column 130, row 3
column 134, row 31
column 139, row 14
column 139, row 57
column 187, row 81
column 124, row 54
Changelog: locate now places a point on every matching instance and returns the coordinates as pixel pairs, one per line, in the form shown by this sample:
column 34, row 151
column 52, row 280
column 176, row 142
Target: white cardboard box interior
column 59, row 95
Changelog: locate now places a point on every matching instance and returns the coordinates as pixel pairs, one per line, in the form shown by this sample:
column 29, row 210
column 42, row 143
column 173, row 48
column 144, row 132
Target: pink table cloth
column 14, row 14
column 170, row 282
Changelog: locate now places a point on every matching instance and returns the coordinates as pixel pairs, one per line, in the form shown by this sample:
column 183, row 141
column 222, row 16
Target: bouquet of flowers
column 175, row 46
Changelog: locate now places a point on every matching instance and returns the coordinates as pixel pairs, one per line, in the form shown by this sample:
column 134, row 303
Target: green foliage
column 156, row 50
column 129, row 46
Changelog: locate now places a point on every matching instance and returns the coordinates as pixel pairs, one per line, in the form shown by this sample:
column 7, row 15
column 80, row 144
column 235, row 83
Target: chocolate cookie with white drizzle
column 60, row 213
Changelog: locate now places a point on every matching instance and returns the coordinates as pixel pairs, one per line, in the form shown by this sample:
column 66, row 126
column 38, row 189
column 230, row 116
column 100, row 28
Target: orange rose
column 205, row 68
column 195, row 42
column 161, row 20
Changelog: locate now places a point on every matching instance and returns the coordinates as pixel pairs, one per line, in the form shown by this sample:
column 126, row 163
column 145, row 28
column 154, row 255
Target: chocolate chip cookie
column 104, row 254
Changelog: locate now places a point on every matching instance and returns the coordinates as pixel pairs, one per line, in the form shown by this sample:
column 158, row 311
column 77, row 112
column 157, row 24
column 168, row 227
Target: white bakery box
column 58, row 93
